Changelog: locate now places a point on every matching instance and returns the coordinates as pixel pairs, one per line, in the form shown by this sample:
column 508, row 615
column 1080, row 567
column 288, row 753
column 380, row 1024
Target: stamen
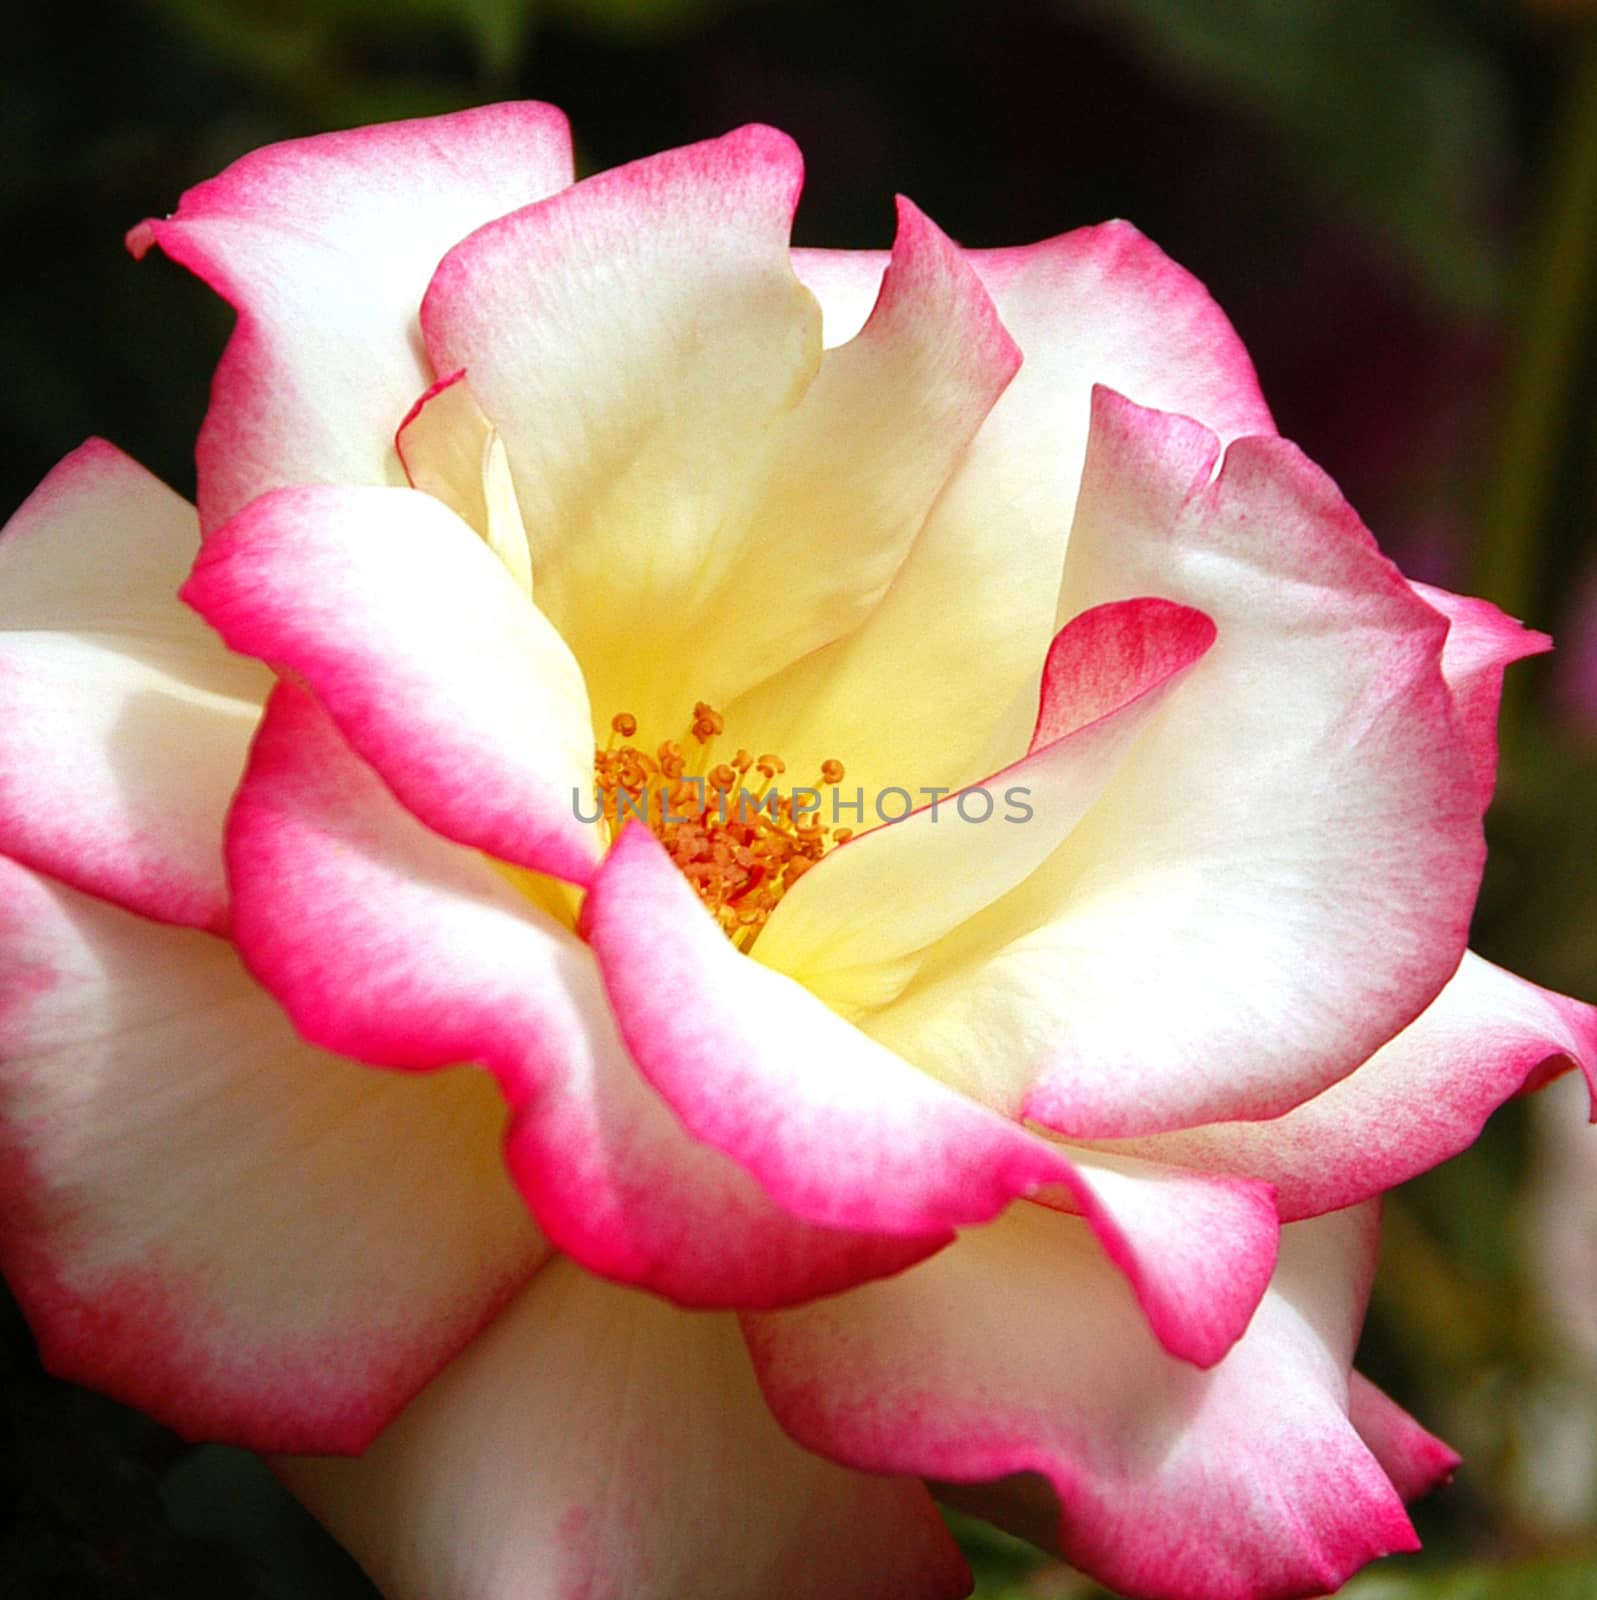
column 707, row 722
column 741, row 850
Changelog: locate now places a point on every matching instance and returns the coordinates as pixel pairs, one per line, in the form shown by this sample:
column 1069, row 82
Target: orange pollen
column 741, row 847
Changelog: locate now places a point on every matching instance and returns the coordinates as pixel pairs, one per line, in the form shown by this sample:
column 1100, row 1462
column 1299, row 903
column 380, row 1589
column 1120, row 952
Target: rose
column 951, row 1151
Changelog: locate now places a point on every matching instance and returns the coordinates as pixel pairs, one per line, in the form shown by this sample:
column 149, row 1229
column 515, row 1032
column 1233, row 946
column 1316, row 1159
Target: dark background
column 1395, row 200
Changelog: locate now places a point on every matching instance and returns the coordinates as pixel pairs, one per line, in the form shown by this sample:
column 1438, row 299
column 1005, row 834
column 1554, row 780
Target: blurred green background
column 1395, row 200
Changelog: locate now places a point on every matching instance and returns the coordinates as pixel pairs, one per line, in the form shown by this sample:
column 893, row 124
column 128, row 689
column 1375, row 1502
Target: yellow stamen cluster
column 741, row 846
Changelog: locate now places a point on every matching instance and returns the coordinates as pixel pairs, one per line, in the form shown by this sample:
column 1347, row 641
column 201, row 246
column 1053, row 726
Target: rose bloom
column 654, row 1210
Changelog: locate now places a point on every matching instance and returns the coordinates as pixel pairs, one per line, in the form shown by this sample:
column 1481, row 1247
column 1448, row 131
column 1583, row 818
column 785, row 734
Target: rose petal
column 847, row 927
column 836, row 1128
column 435, row 665
column 1197, row 1248
column 844, row 1134
column 1481, row 642
column 123, row 723
column 863, row 457
column 634, row 340
column 677, row 440
column 210, row 1220
column 1418, row 1100
column 846, row 283
column 454, row 453
column 388, row 944
column 599, row 1442
column 1415, row 1460
column 912, row 697
column 1280, row 875
column 323, row 246
column 1018, row 1351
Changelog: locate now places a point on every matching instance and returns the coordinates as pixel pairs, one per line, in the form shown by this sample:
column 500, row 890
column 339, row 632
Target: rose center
column 735, row 832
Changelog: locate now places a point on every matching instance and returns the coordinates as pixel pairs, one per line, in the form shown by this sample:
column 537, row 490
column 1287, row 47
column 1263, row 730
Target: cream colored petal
column 454, row 453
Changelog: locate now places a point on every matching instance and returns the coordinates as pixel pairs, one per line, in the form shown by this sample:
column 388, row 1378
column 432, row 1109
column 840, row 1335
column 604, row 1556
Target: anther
column 740, row 859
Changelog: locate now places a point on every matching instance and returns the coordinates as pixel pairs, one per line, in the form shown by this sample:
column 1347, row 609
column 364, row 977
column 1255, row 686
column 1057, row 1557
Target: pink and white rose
column 718, row 1189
